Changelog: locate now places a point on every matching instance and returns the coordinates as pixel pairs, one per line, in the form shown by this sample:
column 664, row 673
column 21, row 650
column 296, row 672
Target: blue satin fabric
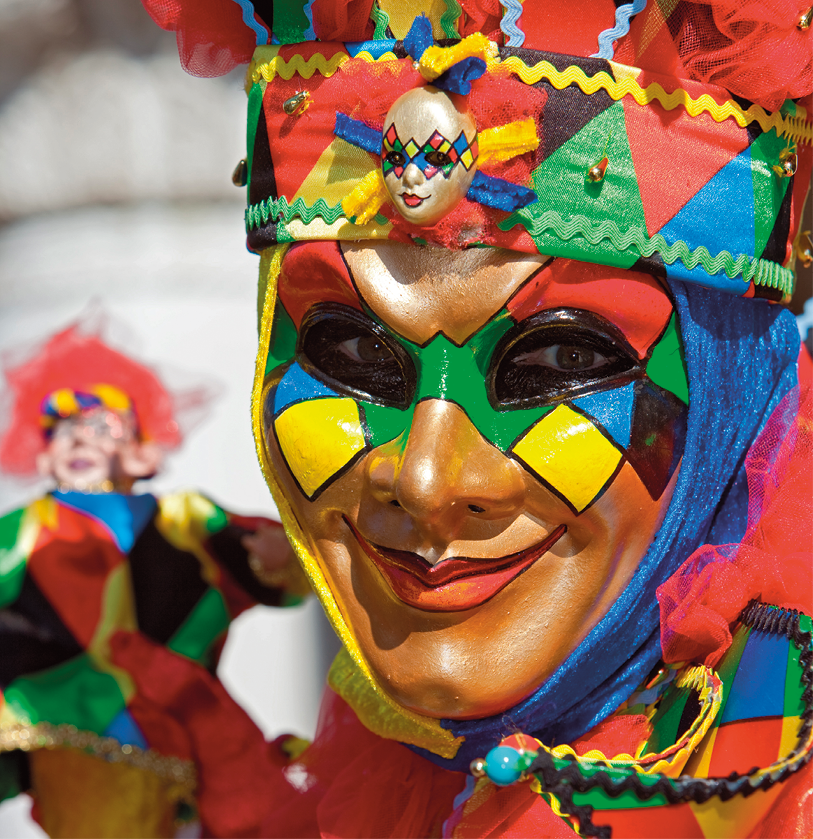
column 741, row 357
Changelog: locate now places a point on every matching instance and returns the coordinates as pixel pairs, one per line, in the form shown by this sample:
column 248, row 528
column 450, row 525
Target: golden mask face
column 428, row 155
column 478, row 448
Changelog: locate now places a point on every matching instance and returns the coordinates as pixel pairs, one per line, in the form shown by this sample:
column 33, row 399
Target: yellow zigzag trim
column 270, row 65
column 795, row 128
column 266, row 65
column 701, row 679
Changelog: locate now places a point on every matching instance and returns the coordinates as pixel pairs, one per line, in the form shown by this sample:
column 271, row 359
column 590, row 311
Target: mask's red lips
column 412, row 200
column 452, row 585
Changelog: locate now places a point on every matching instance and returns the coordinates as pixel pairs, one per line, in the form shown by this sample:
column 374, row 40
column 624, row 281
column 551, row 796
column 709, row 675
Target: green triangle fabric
column 769, row 188
column 562, row 185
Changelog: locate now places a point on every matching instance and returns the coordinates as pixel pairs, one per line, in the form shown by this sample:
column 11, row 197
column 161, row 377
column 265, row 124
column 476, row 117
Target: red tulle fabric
column 347, row 22
column 773, row 563
column 753, row 48
column 353, row 783
column 212, row 37
column 73, row 359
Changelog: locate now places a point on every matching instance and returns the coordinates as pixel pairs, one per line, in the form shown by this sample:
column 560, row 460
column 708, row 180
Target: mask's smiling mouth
column 412, row 200
column 455, row 584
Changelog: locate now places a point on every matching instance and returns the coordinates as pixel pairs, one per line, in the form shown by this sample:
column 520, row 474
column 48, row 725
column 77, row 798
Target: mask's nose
column 447, row 474
column 413, row 176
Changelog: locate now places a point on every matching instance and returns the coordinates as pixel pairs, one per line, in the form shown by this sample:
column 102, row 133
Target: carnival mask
column 428, row 155
column 479, row 448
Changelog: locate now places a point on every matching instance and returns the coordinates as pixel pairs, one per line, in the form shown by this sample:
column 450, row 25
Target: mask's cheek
column 321, row 433
column 578, row 448
column 568, row 453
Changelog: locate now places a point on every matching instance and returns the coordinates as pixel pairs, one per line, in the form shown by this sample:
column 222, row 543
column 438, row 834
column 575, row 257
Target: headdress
column 671, row 138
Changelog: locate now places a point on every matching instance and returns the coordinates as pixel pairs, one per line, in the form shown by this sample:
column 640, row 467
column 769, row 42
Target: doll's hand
column 272, row 559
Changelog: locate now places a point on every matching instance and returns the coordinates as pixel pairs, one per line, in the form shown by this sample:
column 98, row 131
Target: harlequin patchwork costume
column 114, row 608
column 663, row 141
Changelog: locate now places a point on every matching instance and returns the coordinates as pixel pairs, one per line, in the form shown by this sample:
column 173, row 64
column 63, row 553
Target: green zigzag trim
column 381, row 20
column 260, row 214
column 449, row 18
column 762, row 272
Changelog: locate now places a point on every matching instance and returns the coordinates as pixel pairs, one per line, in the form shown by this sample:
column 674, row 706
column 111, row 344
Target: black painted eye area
column 556, row 354
column 395, row 158
column 351, row 353
column 438, row 158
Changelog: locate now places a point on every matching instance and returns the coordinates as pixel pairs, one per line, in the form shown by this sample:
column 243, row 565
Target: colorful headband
column 475, row 143
column 66, row 402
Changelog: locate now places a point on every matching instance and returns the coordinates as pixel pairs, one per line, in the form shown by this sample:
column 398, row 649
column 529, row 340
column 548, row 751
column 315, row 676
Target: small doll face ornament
column 428, row 155
column 479, row 447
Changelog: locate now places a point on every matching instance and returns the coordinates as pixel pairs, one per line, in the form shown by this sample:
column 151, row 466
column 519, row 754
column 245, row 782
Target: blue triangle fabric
column 730, row 195
column 124, row 515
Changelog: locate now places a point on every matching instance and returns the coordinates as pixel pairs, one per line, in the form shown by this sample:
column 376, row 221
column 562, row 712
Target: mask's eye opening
column 559, row 354
column 438, row 158
column 354, row 355
column 395, row 158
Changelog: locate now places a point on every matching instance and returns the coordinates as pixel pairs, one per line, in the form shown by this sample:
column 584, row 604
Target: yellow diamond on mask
column 568, row 452
column 318, row 438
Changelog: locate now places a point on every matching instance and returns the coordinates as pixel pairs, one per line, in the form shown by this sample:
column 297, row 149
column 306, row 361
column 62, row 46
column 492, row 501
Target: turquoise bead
column 504, row 765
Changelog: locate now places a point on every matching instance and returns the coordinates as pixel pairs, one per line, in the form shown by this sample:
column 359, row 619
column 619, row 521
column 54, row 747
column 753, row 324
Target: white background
column 115, row 187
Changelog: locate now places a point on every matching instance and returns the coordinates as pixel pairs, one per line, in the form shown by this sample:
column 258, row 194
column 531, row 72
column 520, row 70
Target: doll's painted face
column 428, row 155
column 479, row 447
column 97, row 450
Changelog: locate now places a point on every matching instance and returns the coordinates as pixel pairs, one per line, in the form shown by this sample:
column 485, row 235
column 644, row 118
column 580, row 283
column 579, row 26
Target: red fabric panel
column 550, row 26
column 653, row 132
column 361, row 91
column 235, row 764
column 71, row 565
column 315, row 271
column 742, row 745
column 482, row 16
column 635, row 302
column 792, row 812
column 676, row 821
column 510, row 813
column 614, row 736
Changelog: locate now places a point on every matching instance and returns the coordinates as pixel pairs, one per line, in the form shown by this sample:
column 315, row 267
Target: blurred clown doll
column 531, row 407
column 114, row 607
